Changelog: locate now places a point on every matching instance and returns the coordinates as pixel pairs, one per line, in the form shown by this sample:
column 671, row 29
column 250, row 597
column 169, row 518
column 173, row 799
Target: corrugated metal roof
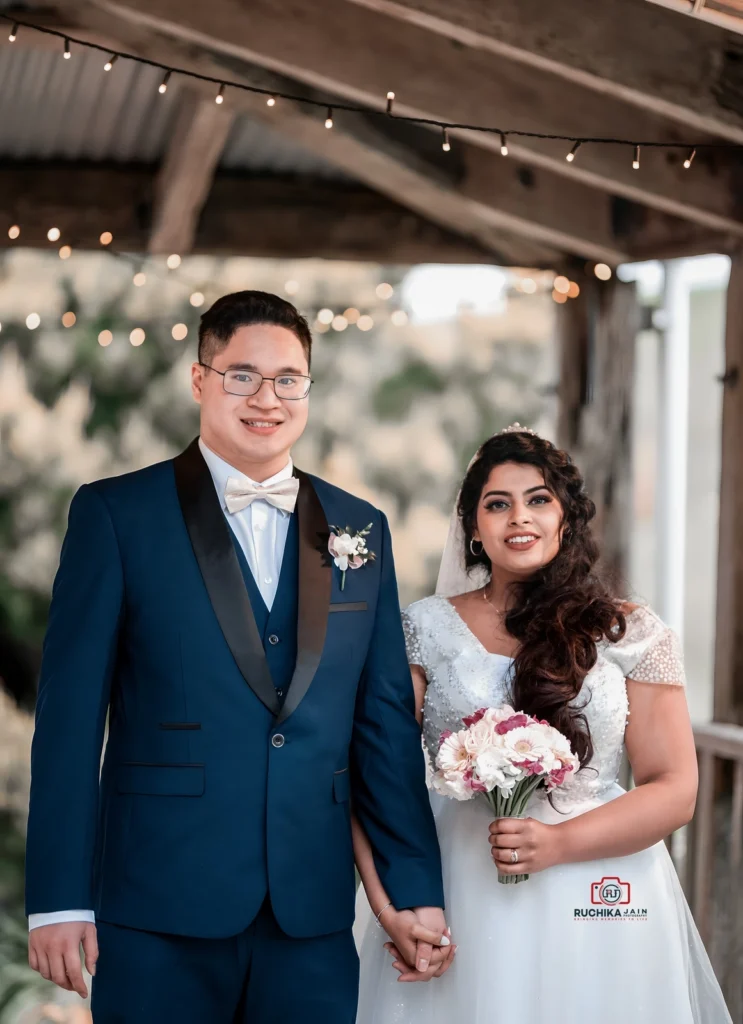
column 252, row 146
column 56, row 109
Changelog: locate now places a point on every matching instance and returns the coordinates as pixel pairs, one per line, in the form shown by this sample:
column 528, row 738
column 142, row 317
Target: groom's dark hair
column 242, row 309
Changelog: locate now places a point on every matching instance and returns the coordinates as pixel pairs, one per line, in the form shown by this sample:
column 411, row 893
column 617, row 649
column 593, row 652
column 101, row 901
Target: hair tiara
column 516, row 428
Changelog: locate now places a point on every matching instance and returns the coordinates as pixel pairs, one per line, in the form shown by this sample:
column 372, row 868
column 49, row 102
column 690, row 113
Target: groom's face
column 253, row 433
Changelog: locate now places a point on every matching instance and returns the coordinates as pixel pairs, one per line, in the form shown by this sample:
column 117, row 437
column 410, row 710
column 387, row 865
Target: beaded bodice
column 463, row 676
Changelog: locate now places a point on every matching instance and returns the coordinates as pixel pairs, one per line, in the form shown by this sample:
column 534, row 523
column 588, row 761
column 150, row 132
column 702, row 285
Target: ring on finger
column 514, row 856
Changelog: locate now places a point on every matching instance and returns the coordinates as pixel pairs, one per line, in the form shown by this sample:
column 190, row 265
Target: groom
column 249, row 694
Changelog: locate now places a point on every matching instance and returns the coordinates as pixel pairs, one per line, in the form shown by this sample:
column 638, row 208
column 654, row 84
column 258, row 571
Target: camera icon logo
column 610, row 892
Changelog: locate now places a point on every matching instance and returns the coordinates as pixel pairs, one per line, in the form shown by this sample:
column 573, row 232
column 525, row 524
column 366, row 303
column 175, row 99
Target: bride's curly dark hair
column 564, row 610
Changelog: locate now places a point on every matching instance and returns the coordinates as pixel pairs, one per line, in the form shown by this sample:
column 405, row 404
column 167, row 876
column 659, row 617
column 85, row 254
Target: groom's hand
column 54, row 951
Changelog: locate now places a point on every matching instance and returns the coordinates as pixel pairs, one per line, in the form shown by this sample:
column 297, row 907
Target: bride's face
column 519, row 520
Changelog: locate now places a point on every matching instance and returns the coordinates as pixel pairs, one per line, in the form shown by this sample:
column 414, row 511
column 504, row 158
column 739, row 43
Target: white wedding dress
column 564, row 946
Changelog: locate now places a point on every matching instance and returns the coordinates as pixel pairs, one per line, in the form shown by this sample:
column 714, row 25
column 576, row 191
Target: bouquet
column 505, row 755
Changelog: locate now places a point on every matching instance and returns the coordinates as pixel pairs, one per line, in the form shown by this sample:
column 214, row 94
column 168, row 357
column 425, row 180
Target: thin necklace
column 497, row 611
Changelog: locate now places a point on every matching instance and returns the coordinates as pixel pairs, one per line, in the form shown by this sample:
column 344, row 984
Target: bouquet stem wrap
column 512, row 805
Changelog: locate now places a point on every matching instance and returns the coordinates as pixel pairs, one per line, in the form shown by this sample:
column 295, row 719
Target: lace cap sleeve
column 412, row 639
column 649, row 652
column 663, row 662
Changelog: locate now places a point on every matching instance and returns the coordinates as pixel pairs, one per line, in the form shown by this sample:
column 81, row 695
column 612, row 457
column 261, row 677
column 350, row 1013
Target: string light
column 173, row 261
column 365, row 323
column 325, row 316
column 219, row 98
column 32, row 321
column 399, row 318
column 65, row 252
column 351, row 314
column 384, row 290
column 105, row 338
column 53, row 234
column 561, row 285
column 688, row 147
column 602, row 271
column 106, row 238
column 339, row 323
column 559, row 297
column 14, row 232
column 69, row 319
column 445, row 144
column 573, row 290
column 179, row 332
column 137, row 337
column 291, row 287
column 197, row 299
column 139, row 280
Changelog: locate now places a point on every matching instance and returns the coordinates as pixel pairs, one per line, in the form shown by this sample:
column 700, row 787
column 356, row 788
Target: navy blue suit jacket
column 230, row 760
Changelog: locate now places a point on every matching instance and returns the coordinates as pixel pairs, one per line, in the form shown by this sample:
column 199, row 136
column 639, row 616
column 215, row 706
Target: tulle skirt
column 610, row 941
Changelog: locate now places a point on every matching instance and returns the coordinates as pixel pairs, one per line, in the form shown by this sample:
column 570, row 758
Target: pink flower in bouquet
column 453, row 755
column 516, row 721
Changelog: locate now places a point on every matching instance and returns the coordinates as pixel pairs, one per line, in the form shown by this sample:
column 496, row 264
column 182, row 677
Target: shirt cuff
column 60, row 917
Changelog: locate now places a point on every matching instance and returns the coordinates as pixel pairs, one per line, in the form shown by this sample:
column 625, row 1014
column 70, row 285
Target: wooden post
column 597, row 332
column 728, row 703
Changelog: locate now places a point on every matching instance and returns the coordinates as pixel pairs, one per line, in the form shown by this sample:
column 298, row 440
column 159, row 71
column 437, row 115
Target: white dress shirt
column 261, row 530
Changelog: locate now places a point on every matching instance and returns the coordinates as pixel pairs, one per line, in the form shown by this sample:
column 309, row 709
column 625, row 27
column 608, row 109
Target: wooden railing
column 712, row 864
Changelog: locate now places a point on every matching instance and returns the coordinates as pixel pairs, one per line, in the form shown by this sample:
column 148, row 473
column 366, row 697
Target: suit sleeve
column 389, row 791
column 74, row 690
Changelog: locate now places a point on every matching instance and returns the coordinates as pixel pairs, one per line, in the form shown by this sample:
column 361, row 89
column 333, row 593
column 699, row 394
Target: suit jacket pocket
column 348, row 606
column 341, row 787
column 160, row 779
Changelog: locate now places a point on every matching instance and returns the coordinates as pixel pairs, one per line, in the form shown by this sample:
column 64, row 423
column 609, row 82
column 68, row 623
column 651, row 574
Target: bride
column 600, row 931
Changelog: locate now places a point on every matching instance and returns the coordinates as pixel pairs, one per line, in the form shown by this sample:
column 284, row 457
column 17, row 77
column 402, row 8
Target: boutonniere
column 349, row 549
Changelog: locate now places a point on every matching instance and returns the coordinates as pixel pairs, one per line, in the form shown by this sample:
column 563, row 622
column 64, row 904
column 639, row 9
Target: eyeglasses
column 289, row 386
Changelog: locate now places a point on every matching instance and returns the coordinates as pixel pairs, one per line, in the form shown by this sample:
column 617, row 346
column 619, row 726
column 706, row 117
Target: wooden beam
column 427, row 182
column 597, row 336
column 245, row 216
column 435, row 78
column 728, row 703
column 524, row 216
column 183, row 183
column 612, row 49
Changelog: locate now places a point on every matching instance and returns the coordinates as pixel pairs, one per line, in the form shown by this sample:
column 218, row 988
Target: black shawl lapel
column 220, row 569
column 315, row 580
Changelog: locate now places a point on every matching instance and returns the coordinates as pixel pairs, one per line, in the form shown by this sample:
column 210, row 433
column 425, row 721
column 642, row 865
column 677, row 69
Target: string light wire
column 690, row 148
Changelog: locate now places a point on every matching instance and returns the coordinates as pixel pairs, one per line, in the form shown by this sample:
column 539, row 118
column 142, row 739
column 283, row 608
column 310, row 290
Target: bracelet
column 377, row 916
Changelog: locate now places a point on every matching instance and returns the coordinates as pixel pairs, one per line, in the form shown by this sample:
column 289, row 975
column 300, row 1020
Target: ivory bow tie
column 240, row 492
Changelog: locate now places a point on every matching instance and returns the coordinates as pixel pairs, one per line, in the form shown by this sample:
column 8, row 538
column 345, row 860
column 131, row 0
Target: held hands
column 538, row 845
column 54, row 951
column 421, row 946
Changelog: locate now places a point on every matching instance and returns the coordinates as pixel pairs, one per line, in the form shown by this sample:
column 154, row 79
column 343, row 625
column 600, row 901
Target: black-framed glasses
column 288, row 386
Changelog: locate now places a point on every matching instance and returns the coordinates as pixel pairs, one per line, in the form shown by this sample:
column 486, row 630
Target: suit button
column 277, row 740
column 273, row 639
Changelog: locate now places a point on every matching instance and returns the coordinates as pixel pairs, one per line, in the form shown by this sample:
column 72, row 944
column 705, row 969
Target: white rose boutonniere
column 349, row 549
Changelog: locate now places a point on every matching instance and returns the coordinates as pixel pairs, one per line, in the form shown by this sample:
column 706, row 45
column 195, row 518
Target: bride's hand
column 406, row 931
column 537, row 844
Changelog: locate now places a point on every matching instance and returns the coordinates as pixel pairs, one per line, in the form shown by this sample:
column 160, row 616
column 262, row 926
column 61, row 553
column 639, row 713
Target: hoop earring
column 476, row 554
